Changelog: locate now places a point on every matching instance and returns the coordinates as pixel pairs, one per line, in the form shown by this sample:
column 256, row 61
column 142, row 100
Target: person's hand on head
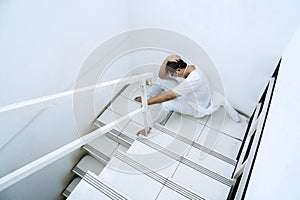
column 173, row 58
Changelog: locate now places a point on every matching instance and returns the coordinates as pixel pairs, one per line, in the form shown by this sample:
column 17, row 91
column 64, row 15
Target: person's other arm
column 163, row 74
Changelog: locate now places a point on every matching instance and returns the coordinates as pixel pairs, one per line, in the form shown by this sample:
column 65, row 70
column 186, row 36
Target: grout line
column 223, row 133
column 198, row 137
column 172, row 176
column 160, row 191
column 126, row 125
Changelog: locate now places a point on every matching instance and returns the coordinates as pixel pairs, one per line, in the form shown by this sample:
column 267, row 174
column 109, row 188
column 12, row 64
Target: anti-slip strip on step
column 115, row 132
column 116, row 135
column 126, row 138
column 159, row 178
column 79, row 172
column 196, row 145
column 102, row 187
column 187, row 162
column 97, row 153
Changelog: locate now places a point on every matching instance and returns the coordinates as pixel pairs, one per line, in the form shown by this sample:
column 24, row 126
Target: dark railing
column 250, row 145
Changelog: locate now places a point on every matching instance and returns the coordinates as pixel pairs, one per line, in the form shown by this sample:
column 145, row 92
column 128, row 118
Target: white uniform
column 194, row 93
column 194, row 96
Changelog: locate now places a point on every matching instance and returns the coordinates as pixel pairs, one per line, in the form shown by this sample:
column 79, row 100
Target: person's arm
column 163, row 74
column 162, row 97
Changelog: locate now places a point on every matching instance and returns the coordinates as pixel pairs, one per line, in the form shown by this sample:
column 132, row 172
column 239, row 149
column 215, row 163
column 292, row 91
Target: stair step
column 114, row 135
column 94, row 181
column 91, row 187
column 104, row 145
column 187, row 162
column 104, row 159
column 71, row 187
column 157, row 177
column 196, row 145
column 88, row 163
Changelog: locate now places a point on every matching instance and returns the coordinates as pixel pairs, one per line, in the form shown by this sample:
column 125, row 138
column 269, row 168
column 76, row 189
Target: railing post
column 145, row 106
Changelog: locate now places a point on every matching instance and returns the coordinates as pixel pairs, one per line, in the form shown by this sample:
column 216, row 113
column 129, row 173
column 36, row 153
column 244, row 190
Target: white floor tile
column 170, row 143
column 184, row 126
column 230, row 127
column 200, row 183
column 123, row 105
column 104, row 144
column 85, row 191
column 167, row 193
column 210, row 162
column 129, row 181
column 88, row 163
column 152, row 159
column 109, row 116
column 132, row 128
column 219, row 142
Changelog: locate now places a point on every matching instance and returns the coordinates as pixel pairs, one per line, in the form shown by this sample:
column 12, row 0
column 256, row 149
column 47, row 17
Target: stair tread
column 88, row 163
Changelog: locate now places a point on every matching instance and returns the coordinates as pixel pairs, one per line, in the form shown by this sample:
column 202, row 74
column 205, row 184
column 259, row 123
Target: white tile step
column 88, row 163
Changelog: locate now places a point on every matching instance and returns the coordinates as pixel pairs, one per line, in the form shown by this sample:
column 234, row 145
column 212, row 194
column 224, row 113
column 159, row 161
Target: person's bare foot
column 143, row 132
column 138, row 99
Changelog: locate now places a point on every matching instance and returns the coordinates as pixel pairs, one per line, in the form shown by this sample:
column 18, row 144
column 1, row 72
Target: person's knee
column 167, row 105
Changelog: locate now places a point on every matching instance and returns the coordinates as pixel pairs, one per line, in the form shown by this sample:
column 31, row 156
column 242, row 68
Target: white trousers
column 159, row 112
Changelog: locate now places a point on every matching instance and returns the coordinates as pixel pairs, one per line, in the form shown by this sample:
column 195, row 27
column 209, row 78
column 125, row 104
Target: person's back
column 194, row 90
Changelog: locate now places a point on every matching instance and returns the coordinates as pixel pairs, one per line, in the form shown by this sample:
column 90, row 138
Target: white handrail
column 42, row 162
column 53, row 97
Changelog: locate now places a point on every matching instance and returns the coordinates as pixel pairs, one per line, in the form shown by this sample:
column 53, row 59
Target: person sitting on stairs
column 184, row 89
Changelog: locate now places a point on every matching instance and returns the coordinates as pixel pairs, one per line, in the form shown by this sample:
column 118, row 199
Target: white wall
column 277, row 162
column 43, row 45
column 245, row 39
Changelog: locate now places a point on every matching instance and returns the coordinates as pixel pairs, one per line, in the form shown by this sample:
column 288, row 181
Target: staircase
column 182, row 158
column 186, row 158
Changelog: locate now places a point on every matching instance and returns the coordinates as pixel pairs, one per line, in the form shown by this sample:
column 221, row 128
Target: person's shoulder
column 196, row 71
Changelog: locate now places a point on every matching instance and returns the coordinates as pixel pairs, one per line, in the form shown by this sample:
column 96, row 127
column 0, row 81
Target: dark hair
column 172, row 66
